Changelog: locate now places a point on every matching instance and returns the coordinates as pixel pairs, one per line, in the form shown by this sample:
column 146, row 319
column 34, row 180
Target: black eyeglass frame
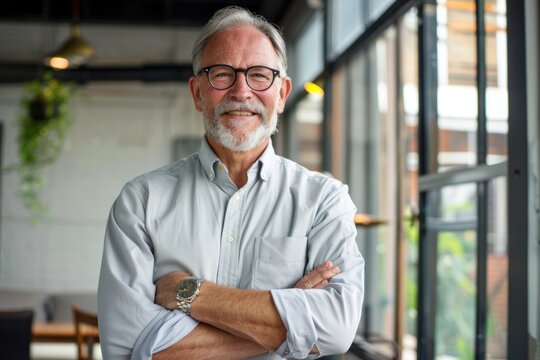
column 206, row 69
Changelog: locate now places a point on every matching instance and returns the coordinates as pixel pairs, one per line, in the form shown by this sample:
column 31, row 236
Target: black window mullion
column 328, row 72
column 517, row 184
column 427, row 132
column 481, row 83
column 482, row 187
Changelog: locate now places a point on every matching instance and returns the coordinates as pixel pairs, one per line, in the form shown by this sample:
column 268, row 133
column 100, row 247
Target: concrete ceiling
column 182, row 13
column 124, row 33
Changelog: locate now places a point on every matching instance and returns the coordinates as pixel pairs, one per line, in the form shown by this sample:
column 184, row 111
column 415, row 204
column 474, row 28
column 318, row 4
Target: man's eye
column 222, row 75
column 258, row 75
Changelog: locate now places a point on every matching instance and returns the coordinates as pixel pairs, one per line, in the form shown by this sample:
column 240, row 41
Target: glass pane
column 377, row 7
column 497, row 272
column 497, row 81
column 453, row 218
column 409, row 124
column 308, row 52
column 347, row 23
column 307, row 118
column 457, row 94
column 456, row 295
column 338, row 122
column 371, row 171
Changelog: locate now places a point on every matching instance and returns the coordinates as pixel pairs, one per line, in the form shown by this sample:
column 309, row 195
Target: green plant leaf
column 43, row 125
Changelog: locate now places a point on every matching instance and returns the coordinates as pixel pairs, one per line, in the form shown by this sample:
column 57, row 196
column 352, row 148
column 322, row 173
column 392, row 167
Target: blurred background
column 428, row 110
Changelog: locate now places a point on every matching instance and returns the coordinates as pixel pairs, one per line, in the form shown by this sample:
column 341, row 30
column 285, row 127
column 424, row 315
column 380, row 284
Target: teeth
column 241, row 113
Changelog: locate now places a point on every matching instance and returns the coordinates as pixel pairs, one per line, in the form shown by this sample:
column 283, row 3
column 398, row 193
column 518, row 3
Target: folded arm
column 207, row 342
column 328, row 317
column 131, row 324
column 241, row 323
column 318, row 317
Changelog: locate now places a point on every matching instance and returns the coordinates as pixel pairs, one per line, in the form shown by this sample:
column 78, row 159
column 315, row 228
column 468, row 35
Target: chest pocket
column 279, row 262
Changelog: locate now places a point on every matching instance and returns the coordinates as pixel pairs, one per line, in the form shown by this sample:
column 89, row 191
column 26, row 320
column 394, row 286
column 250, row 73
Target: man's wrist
column 187, row 291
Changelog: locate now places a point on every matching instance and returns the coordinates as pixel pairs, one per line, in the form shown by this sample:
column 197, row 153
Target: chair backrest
column 16, row 334
column 86, row 331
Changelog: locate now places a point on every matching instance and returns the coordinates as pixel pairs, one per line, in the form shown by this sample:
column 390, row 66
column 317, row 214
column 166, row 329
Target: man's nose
column 240, row 89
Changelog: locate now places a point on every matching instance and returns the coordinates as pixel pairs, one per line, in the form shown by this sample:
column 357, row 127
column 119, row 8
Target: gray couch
column 47, row 306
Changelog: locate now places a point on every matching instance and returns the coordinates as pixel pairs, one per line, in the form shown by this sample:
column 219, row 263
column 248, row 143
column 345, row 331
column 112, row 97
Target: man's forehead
column 244, row 39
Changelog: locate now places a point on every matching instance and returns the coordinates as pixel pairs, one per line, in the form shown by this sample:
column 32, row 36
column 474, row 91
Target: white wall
column 120, row 130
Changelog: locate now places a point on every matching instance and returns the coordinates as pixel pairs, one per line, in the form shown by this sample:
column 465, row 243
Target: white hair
column 234, row 15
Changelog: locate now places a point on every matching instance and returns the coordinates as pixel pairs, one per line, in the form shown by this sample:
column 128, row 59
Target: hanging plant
column 43, row 125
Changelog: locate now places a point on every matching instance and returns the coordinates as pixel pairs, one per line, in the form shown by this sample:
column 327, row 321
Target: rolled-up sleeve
column 326, row 318
column 131, row 326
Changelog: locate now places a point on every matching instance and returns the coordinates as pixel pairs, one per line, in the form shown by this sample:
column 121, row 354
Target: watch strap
column 184, row 304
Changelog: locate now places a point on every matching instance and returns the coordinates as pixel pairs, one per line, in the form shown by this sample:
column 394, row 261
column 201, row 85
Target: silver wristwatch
column 186, row 291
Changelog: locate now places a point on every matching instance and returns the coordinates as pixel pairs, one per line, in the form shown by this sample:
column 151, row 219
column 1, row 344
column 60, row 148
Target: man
column 233, row 252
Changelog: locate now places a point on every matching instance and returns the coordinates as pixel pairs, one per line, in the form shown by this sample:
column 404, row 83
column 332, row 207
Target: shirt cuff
column 295, row 313
column 163, row 331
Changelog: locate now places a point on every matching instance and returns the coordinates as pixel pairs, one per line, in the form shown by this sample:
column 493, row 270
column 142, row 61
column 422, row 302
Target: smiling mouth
column 240, row 113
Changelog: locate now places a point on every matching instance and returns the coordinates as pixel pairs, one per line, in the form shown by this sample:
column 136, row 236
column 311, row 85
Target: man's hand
column 166, row 285
column 166, row 289
column 319, row 277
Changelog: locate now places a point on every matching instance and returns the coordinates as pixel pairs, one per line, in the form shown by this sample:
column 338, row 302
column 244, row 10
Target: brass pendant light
column 75, row 51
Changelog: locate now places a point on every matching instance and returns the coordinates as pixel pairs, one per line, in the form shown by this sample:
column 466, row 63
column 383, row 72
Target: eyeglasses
column 223, row 77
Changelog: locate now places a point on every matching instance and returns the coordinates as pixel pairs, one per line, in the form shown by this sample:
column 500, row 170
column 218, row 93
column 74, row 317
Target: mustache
column 226, row 106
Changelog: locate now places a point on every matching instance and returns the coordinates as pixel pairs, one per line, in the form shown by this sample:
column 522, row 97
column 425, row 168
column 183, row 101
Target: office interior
column 426, row 109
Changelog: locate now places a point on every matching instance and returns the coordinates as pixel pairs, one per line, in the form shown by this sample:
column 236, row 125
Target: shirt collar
column 208, row 158
column 265, row 163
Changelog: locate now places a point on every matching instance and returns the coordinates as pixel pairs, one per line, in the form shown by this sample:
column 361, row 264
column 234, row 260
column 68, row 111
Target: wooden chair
column 86, row 332
column 15, row 334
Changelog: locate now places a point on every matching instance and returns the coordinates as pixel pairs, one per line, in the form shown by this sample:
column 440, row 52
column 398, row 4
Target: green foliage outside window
column 411, row 281
column 456, row 294
column 456, row 291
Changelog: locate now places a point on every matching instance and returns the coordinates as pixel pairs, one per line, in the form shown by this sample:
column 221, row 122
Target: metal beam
column 18, row 73
column 461, row 176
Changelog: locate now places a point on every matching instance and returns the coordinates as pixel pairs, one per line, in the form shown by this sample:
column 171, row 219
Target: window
column 308, row 52
column 307, row 117
column 457, row 93
column 497, row 81
column 347, row 19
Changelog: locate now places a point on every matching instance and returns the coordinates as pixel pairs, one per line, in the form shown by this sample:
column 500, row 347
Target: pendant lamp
column 75, row 51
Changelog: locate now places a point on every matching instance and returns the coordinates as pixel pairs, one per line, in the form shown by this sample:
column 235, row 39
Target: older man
column 233, row 252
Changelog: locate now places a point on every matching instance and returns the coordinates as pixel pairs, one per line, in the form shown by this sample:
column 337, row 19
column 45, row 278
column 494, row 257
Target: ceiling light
column 313, row 88
column 74, row 52
column 58, row 63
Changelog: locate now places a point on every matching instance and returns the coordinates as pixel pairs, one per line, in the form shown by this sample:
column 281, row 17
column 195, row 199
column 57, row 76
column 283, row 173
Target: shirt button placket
column 231, row 229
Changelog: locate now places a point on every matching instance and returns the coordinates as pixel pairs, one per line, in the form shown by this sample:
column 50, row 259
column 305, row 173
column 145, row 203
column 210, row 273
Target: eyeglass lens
column 257, row 77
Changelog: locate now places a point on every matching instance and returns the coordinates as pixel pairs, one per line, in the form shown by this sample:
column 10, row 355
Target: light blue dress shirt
column 189, row 216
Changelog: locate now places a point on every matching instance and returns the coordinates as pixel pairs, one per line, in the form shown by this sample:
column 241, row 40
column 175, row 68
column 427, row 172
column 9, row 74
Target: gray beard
column 224, row 136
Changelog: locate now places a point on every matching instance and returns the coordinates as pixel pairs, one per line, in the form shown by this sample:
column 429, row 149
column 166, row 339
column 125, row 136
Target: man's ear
column 195, row 93
column 284, row 91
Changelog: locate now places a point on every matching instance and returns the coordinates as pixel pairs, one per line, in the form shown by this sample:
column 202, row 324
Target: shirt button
column 230, row 239
column 236, row 197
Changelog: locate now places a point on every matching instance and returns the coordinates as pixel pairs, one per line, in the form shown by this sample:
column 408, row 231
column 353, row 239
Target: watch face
column 187, row 288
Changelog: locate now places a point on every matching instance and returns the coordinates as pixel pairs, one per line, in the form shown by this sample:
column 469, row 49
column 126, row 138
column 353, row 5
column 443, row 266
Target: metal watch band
column 184, row 307
column 184, row 304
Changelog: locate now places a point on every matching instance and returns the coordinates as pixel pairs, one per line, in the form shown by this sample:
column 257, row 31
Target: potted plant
column 43, row 125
